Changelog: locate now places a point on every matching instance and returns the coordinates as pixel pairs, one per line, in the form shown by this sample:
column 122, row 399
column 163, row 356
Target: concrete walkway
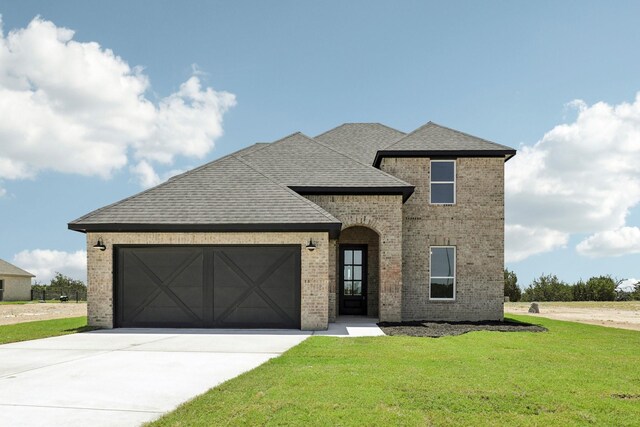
column 353, row 326
column 125, row 377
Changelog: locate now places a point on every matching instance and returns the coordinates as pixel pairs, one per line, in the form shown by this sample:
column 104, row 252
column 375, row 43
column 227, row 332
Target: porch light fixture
column 100, row 245
column 311, row 246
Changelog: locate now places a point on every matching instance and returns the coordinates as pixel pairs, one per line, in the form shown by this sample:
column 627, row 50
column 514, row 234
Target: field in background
column 12, row 313
column 615, row 314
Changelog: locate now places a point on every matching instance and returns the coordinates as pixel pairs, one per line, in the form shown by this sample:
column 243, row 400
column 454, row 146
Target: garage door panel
column 252, row 260
column 164, row 310
column 159, row 286
column 238, row 286
column 164, row 261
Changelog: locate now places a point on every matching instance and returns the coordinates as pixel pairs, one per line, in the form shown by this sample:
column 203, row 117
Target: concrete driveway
column 124, row 377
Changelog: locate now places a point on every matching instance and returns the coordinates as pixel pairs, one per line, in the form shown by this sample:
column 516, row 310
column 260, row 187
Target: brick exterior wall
column 16, row 288
column 382, row 214
column 314, row 268
column 474, row 225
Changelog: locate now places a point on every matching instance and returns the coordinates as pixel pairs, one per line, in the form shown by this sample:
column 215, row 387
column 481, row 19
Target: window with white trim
column 443, row 182
column 442, row 277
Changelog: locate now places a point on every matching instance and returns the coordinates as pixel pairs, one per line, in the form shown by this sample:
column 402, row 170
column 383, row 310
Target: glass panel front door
column 353, row 266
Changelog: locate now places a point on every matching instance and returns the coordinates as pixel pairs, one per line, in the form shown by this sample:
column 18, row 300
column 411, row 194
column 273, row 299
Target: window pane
column 357, row 273
column 348, row 272
column 348, row 257
column 442, row 171
column 442, row 264
column 347, row 287
column 357, row 257
column 441, row 288
column 441, row 193
column 357, row 288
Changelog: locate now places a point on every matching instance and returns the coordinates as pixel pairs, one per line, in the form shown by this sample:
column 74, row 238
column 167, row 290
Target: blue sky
column 506, row 71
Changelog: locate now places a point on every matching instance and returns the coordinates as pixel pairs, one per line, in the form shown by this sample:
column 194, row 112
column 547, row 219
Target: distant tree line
column 549, row 288
column 62, row 285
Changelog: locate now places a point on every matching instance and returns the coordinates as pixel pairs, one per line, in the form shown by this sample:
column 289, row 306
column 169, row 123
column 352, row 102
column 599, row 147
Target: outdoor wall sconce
column 100, row 245
column 311, row 246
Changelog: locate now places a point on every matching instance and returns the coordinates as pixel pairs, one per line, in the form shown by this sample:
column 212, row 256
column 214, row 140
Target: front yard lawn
column 43, row 329
column 574, row 374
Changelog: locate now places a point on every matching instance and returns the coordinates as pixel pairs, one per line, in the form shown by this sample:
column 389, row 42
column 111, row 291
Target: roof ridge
column 404, row 183
column 430, row 124
column 169, row 180
column 358, row 123
column 468, row 134
column 162, row 184
column 304, row 199
column 406, row 135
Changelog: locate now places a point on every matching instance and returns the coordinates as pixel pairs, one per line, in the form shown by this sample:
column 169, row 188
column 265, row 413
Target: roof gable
column 360, row 141
column 432, row 139
column 8, row 269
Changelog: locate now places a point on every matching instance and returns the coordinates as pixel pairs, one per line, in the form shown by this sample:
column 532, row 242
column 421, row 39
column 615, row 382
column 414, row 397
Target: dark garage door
column 213, row 286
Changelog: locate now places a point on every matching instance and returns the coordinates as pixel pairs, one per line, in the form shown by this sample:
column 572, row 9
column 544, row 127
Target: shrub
column 601, row 288
column 511, row 288
column 548, row 288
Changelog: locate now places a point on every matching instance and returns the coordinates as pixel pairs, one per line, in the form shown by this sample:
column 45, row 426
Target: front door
column 353, row 279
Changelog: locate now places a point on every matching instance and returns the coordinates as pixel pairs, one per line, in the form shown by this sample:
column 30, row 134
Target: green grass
column 17, row 302
column 43, row 329
column 574, row 374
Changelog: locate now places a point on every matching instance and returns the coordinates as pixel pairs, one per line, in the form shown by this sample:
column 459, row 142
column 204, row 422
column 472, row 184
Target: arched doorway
column 358, row 272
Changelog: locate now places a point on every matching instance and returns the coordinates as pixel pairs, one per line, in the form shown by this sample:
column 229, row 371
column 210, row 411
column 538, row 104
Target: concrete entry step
column 352, row 326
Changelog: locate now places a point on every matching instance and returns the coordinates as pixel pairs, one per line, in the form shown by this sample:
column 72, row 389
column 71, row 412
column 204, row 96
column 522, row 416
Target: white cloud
column 148, row 177
column 628, row 285
column 522, row 242
column 581, row 177
column 44, row 263
column 624, row 240
column 75, row 107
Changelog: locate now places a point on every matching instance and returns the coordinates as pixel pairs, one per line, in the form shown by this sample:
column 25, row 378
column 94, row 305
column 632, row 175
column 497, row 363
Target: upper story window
column 443, row 182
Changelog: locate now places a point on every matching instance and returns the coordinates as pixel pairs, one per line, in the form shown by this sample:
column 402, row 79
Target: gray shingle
column 7, row 269
column 299, row 161
column 225, row 191
column 360, row 141
column 433, row 137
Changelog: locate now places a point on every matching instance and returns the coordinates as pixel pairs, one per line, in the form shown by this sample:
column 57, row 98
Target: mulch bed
column 443, row 329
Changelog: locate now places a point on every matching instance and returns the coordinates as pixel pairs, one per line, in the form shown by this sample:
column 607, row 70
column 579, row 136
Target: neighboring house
column 360, row 220
column 15, row 283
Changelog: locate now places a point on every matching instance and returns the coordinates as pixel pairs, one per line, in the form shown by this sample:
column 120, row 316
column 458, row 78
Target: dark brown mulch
column 442, row 329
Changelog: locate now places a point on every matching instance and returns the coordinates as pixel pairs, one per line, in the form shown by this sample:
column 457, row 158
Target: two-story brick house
column 360, row 220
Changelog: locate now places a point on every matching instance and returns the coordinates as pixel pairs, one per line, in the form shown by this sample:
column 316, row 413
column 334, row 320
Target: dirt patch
column 442, row 329
column 624, row 315
column 18, row 313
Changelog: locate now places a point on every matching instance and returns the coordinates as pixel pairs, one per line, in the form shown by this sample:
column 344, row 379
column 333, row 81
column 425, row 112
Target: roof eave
column 404, row 191
column 333, row 228
column 16, row 275
column 507, row 154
